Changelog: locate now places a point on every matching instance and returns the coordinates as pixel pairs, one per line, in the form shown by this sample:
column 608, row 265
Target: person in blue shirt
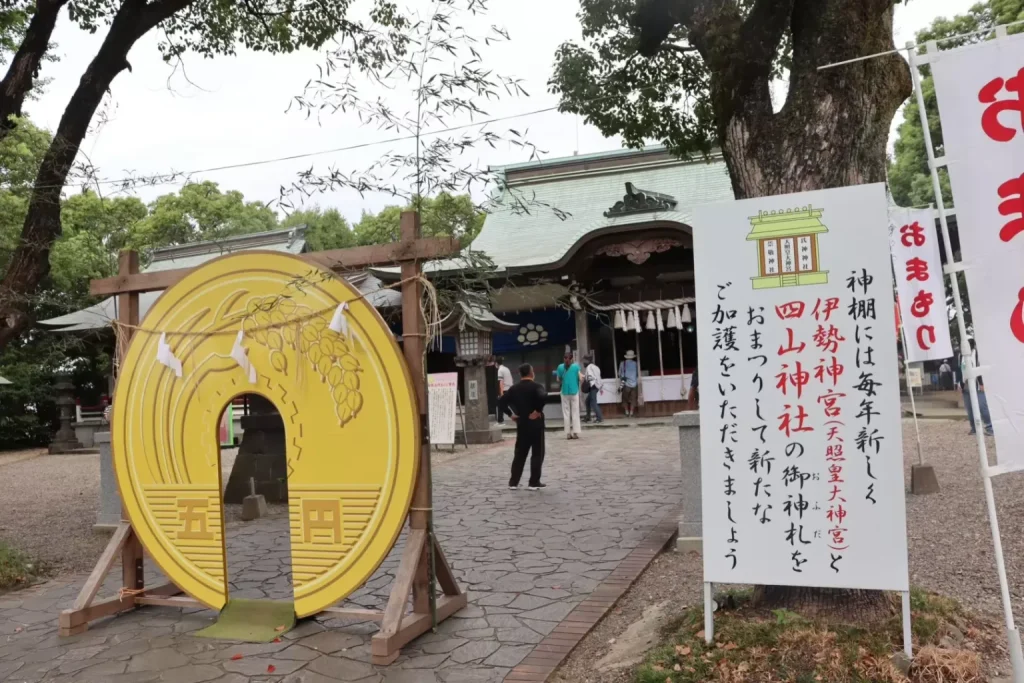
column 629, row 374
column 569, row 374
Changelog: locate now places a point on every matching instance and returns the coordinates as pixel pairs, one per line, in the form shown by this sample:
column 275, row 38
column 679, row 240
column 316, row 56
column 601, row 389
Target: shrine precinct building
column 598, row 246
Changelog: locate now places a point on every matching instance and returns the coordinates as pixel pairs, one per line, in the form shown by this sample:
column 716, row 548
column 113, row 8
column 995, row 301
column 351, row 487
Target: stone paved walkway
column 526, row 558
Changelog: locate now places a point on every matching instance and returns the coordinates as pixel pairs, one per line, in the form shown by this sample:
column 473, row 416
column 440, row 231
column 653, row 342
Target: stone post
column 65, row 440
column 690, row 533
column 478, row 418
column 109, row 515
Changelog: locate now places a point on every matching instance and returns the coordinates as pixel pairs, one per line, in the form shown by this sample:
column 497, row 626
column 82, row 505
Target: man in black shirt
column 524, row 403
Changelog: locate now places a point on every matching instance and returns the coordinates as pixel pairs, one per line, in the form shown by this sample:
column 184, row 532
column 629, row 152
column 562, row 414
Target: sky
column 234, row 110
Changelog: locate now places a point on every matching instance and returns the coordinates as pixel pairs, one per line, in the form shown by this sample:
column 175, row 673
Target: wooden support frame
column 413, row 579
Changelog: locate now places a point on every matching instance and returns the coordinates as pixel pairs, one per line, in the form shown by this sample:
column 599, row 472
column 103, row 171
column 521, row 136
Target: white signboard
column 920, row 284
column 442, row 399
column 915, row 377
column 979, row 90
column 801, row 445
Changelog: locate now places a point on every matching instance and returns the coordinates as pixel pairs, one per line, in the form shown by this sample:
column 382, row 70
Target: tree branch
column 24, row 68
column 672, row 47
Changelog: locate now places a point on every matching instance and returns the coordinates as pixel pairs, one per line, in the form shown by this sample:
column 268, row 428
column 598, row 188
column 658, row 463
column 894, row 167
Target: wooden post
column 128, row 316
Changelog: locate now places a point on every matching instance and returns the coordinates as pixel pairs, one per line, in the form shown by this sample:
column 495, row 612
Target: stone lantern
column 65, row 440
column 472, row 323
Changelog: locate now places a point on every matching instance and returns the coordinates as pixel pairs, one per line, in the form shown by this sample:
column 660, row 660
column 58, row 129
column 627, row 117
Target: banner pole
column 1016, row 654
column 906, row 372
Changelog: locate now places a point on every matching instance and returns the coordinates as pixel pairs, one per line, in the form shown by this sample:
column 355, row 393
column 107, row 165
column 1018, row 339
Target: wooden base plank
column 384, row 648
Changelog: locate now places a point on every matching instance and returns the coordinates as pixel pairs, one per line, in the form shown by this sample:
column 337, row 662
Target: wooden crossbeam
column 423, row 248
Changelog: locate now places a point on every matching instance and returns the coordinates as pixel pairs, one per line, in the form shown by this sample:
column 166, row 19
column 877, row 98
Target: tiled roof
column 541, row 237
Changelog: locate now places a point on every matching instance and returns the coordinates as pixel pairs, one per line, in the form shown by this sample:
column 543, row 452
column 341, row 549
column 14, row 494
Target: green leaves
column 444, row 215
column 663, row 98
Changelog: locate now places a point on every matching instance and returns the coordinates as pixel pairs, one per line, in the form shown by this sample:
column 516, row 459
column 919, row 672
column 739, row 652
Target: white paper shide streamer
column 165, row 356
column 339, row 323
column 238, row 352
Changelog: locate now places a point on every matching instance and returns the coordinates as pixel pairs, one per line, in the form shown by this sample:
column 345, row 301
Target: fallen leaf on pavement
column 235, row 657
column 271, row 668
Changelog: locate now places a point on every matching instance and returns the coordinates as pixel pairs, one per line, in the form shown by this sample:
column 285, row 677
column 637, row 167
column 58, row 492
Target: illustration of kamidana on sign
column 788, row 254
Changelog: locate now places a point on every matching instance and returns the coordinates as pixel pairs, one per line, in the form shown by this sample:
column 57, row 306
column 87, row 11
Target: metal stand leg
column 709, row 614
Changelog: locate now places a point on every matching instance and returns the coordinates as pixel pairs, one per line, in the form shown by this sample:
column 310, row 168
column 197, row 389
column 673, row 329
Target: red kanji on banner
column 1017, row 318
column 922, row 304
column 912, row 235
column 1012, row 192
column 917, row 269
column 990, row 118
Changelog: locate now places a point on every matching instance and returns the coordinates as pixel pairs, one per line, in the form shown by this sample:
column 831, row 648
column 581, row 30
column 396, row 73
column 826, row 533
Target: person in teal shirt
column 569, row 374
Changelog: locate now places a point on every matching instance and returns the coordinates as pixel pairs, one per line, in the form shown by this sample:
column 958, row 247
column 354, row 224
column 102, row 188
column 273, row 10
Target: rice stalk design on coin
column 268, row 320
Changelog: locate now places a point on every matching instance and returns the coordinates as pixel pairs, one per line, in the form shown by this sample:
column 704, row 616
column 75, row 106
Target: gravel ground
column 950, row 546
column 50, row 504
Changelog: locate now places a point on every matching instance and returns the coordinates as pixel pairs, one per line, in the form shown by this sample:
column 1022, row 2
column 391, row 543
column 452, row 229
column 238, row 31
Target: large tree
column 325, row 229
column 698, row 75
column 204, row 27
column 445, row 215
column 199, row 212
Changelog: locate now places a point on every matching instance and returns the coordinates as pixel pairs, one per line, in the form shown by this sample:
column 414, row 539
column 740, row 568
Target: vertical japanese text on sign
column 802, row 468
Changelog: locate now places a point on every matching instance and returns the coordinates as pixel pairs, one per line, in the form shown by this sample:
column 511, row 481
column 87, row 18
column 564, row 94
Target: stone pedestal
column 690, row 533
column 261, row 456
column 109, row 515
column 65, row 440
column 478, row 418
column 923, row 480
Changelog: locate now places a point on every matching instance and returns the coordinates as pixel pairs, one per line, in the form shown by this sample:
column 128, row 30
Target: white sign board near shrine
column 442, row 402
column 801, row 445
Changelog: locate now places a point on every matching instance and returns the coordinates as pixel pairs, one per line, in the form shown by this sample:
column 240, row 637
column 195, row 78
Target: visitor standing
column 945, row 375
column 629, row 374
column 524, row 402
column 693, row 400
column 592, row 389
column 504, row 383
column 986, row 419
column 569, row 374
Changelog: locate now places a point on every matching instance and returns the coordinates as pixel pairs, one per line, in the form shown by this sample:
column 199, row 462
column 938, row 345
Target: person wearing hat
column 629, row 375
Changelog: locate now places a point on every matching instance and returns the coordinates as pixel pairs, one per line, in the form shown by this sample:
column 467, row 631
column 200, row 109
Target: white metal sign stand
column 971, row 373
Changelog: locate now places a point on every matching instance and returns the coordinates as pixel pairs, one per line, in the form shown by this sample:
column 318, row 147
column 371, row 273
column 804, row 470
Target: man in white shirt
column 504, row 383
column 592, row 374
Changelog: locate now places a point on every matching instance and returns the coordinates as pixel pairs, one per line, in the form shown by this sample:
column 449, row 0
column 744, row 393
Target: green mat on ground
column 252, row 621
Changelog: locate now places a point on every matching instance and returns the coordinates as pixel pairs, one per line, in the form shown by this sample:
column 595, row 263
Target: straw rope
column 429, row 307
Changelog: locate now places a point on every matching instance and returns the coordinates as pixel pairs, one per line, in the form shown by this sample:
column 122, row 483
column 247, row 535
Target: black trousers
column 528, row 438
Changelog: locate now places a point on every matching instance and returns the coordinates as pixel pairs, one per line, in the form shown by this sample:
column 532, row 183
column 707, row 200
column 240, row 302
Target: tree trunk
column 24, row 68
column 831, row 132
column 30, row 263
column 834, row 127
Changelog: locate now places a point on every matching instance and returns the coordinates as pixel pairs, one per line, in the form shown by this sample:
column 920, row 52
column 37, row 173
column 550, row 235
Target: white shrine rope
column 645, row 305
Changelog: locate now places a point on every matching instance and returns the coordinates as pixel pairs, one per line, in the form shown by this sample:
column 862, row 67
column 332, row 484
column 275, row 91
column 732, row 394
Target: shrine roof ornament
column 791, row 222
column 641, row 201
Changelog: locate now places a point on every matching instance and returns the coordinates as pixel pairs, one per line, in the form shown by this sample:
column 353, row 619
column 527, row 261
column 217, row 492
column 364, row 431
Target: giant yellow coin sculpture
column 267, row 323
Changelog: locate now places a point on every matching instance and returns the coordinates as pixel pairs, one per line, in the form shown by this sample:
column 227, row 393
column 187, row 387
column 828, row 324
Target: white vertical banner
column 801, row 445
column 979, row 90
column 920, row 284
